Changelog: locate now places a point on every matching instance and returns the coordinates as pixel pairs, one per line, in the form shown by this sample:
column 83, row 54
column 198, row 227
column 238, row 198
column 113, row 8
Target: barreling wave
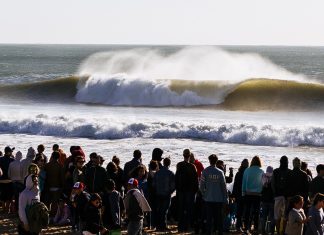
column 264, row 135
column 55, row 90
column 120, row 90
column 194, row 76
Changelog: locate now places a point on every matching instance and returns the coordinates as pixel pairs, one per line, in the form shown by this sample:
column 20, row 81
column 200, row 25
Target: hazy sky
column 228, row 22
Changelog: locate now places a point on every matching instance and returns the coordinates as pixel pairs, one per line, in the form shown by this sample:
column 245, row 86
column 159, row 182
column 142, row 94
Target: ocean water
column 236, row 102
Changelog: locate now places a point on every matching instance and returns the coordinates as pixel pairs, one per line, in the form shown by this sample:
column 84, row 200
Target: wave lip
column 265, row 135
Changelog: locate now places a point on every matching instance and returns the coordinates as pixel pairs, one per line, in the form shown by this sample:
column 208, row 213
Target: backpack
column 37, row 216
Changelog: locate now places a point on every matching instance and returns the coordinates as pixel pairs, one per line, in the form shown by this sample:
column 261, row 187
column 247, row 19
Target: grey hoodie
column 27, row 197
column 14, row 171
column 31, row 154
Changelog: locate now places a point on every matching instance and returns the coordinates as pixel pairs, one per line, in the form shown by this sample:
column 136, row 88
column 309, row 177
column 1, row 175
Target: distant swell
column 265, row 135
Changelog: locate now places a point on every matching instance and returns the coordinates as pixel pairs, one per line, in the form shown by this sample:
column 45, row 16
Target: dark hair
column 111, row 185
column 319, row 168
column 137, row 154
column 256, row 161
column 157, row 154
column 55, row 155
column 41, row 147
column 135, row 171
column 213, row 159
column 284, row 162
column 166, row 162
column 292, row 202
column 317, row 198
column 116, row 160
column 154, row 165
column 304, row 166
column 111, row 167
column 39, row 156
column 93, row 155
column 55, row 146
column 186, row 153
column 95, row 196
column 244, row 164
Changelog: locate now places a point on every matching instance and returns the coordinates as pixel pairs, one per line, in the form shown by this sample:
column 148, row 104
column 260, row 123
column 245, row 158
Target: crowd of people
column 68, row 190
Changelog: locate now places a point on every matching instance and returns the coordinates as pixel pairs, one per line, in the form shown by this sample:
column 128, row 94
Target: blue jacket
column 213, row 185
column 164, row 182
column 252, row 181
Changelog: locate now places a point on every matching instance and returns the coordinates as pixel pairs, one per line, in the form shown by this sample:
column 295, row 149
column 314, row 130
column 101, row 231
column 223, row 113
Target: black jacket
column 92, row 219
column 186, row 177
column 298, row 183
column 95, row 179
column 316, row 186
column 279, row 181
column 237, row 187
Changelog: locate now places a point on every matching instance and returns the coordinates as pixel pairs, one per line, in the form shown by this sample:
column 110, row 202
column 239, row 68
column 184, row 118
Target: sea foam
column 103, row 128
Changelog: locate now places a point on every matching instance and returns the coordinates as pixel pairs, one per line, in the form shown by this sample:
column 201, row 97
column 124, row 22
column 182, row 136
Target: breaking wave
column 265, row 135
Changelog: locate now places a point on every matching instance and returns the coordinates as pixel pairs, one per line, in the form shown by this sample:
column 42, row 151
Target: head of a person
column 39, row 160
column 55, row 156
column 256, row 161
column 213, row 159
column 140, row 172
column 78, row 187
column 33, row 169
column 154, row 165
column 304, row 166
column 192, row 158
column 111, row 185
column 8, row 151
column 296, row 162
column 18, row 156
column 297, row 202
column 101, row 160
column 40, row 148
column 112, row 167
column 319, row 200
column 320, row 170
column 157, row 154
column 220, row 165
column 95, row 200
column 55, row 147
column 137, row 154
column 269, row 171
column 116, row 160
column 186, row 154
column 167, row 162
column 79, row 160
column 132, row 183
column 95, row 159
column 31, row 182
column 244, row 164
column 31, row 153
column 284, row 162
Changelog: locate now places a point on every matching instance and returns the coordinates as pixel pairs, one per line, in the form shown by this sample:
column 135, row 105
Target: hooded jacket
column 31, row 154
column 14, row 171
column 27, row 197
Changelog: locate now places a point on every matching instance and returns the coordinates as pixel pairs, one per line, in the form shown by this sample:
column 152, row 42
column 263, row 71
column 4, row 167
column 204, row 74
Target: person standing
column 27, row 197
column 214, row 192
column 164, row 185
column 136, row 205
column 6, row 189
column 186, row 181
column 131, row 165
column 279, row 185
column 251, row 189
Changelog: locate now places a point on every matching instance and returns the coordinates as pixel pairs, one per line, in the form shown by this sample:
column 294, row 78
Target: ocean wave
column 263, row 135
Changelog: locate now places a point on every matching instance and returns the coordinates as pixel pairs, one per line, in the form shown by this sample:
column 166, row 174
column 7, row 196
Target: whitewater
column 236, row 102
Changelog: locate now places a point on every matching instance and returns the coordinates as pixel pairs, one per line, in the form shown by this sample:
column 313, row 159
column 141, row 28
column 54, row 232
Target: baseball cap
column 8, row 149
column 78, row 185
column 133, row 182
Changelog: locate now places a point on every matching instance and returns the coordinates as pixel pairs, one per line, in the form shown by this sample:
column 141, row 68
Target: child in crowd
column 316, row 216
column 92, row 216
column 296, row 216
